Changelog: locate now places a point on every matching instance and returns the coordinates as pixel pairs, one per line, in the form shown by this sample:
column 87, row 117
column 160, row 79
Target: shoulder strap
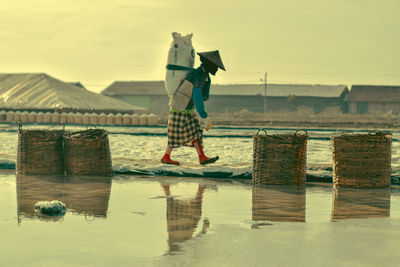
column 178, row 67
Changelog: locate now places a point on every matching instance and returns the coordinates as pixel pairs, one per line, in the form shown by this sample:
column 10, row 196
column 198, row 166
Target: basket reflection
column 279, row 203
column 351, row 203
column 87, row 196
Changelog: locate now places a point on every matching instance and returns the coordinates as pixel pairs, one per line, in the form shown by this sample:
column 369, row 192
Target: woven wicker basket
column 362, row 160
column 279, row 203
column 354, row 203
column 279, row 158
column 87, row 153
column 40, row 152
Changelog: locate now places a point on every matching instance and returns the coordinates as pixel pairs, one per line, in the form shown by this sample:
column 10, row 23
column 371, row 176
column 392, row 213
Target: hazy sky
column 99, row 41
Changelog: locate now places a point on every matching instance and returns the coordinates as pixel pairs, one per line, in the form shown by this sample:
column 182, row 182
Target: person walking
column 183, row 125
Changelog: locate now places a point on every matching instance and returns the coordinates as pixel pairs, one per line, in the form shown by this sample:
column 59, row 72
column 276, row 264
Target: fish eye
column 176, row 45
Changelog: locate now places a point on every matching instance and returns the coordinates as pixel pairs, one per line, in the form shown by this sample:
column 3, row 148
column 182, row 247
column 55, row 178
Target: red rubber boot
column 203, row 159
column 166, row 159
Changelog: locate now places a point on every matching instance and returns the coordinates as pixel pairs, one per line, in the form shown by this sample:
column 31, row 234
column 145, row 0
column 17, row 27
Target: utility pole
column 265, row 92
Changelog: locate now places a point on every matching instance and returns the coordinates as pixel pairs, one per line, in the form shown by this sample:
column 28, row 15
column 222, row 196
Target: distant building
column 150, row 95
column 280, row 97
column 364, row 99
column 234, row 97
column 39, row 91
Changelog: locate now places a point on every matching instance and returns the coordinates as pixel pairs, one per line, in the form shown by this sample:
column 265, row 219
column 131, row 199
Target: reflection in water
column 284, row 203
column 350, row 203
column 83, row 195
column 183, row 216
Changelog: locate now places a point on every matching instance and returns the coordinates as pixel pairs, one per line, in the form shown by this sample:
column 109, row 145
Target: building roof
column 41, row 91
column 79, row 84
column 135, row 88
column 373, row 93
column 280, row 90
column 158, row 88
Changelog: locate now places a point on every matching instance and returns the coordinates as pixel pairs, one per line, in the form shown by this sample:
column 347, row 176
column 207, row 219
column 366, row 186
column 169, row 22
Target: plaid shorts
column 183, row 128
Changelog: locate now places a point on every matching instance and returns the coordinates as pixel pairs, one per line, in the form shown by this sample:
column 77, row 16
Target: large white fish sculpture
column 180, row 61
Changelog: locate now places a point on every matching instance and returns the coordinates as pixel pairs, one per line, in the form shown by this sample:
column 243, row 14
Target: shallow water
column 161, row 221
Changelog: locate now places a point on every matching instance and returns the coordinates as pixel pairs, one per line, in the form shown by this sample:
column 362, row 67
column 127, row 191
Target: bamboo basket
column 47, row 117
column 70, row 118
column 102, row 119
column 93, row 118
column 86, row 118
column 126, row 119
column 110, row 120
column 87, row 153
column 118, row 119
column 152, row 119
column 25, row 116
column 143, row 119
column 40, row 152
column 135, row 119
column 17, row 116
column 63, row 117
column 362, row 160
column 78, row 118
column 32, row 117
column 55, row 118
column 39, row 117
column 279, row 158
column 10, row 116
column 3, row 115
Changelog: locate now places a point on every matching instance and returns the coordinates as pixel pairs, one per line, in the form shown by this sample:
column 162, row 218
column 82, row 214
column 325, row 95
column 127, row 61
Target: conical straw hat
column 214, row 57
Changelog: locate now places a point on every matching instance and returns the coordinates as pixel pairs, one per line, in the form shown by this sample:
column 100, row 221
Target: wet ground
column 164, row 221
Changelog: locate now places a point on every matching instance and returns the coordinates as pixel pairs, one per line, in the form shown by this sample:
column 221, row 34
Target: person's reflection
column 284, row 203
column 350, row 203
column 87, row 196
column 183, row 216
